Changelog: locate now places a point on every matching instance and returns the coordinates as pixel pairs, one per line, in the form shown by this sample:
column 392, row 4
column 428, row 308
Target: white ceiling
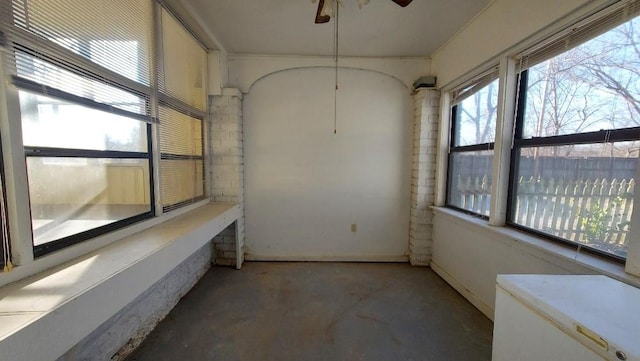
column 286, row 27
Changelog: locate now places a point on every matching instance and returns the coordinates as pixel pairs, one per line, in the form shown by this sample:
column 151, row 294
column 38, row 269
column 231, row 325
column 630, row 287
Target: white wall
column 305, row 186
column 470, row 254
column 504, row 25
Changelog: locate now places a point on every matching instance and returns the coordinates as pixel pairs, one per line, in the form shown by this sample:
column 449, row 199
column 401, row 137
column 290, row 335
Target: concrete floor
column 320, row 311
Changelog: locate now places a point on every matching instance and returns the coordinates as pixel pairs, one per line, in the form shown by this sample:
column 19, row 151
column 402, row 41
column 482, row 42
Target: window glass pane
column 470, row 181
column 45, row 73
column 582, row 193
column 184, row 64
column 179, row 133
column 182, row 180
column 48, row 122
column 475, row 121
column 72, row 195
column 591, row 87
column 116, row 34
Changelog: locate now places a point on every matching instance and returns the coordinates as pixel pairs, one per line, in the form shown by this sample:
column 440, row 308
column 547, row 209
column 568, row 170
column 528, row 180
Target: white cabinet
column 569, row 318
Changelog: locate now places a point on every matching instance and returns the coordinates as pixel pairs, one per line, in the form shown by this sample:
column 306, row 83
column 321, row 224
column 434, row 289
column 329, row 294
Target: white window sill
column 42, row 316
column 547, row 250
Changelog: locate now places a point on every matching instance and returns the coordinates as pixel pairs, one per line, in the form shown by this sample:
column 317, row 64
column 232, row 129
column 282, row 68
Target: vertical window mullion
column 156, row 64
column 444, row 144
column 452, row 141
column 633, row 251
column 522, row 81
column 16, row 185
column 503, row 143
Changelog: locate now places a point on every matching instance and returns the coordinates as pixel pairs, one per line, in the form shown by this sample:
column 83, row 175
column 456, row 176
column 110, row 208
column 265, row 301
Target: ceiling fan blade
column 402, row 3
column 321, row 19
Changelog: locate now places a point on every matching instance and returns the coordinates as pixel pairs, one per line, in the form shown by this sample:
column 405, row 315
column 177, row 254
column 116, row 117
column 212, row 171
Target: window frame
column 60, row 243
column 4, row 215
column 520, row 142
column 476, row 86
column 34, row 151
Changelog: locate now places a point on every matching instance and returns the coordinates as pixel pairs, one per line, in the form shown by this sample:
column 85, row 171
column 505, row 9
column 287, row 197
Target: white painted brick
column 227, row 165
column 225, row 247
column 231, row 255
column 425, row 137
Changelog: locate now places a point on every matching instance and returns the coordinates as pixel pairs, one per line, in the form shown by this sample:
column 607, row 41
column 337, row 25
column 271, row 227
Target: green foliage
column 595, row 222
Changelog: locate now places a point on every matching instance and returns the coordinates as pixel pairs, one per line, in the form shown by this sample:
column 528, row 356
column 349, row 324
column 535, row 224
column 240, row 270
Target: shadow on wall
column 306, row 186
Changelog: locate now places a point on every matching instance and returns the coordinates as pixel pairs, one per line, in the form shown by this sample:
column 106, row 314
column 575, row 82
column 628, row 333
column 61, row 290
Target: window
column 87, row 170
column 182, row 112
column 84, row 93
column 473, row 121
column 92, row 103
column 577, row 142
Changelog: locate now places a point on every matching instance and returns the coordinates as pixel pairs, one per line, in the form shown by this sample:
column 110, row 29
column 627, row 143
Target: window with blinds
column 181, row 114
column 577, row 134
column 83, row 74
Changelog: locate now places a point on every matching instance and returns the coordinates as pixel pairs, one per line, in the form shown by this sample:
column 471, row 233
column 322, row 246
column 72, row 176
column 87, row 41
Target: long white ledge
column 43, row 316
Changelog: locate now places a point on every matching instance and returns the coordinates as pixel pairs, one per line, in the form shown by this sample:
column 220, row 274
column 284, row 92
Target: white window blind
column 182, row 160
column 115, row 34
column 95, row 92
column 473, row 85
column 184, row 64
column 97, row 52
column 579, row 33
column 183, row 104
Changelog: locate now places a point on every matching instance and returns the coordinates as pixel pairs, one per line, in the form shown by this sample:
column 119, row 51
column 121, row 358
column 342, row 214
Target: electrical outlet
column 354, row 228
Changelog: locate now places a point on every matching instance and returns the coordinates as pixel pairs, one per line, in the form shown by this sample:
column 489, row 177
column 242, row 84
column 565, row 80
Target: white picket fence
column 593, row 211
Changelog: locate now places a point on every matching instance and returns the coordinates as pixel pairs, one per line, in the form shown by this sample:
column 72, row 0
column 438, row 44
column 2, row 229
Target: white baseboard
column 465, row 292
column 267, row 258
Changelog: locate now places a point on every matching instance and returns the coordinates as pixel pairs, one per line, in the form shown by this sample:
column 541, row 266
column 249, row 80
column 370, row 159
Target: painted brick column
column 227, row 170
column 425, row 138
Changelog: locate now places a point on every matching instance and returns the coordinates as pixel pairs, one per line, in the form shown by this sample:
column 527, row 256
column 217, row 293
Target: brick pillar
column 227, row 170
column 425, row 138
